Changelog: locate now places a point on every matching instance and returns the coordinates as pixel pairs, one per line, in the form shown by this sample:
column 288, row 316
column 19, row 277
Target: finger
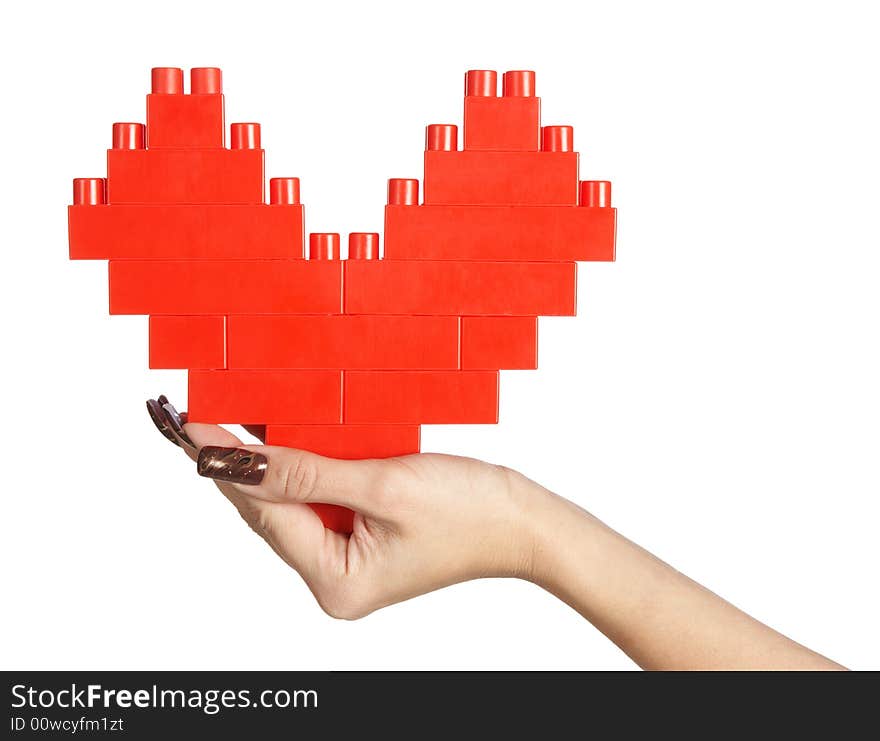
column 202, row 435
column 295, row 532
column 288, row 475
column 171, row 423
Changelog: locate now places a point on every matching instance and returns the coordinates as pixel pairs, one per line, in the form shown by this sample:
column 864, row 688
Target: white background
column 716, row 399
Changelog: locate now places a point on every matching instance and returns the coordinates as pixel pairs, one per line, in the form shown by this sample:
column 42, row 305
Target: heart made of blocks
column 345, row 358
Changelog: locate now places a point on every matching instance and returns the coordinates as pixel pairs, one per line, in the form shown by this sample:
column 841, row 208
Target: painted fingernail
column 158, row 417
column 235, row 465
column 163, row 400
column 173, row 420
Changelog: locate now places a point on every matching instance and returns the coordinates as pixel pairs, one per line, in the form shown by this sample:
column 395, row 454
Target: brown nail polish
column 173, row 420
column 158, row 417
column 235, row 465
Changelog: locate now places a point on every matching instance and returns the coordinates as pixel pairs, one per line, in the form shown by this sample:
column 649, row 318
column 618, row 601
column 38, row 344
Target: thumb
column 286, row 475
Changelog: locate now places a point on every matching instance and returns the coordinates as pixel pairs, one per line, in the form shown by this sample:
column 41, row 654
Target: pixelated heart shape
column 346, row 358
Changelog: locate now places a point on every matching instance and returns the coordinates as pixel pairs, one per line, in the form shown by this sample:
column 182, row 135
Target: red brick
column 185, row 121
column 421, row 397
column 206, row 231
column 265, row 396
column 347, row 441
column 526, row 233
column 499, row 342
column 460, row 287
column 356, row 342
column 502, row 124
column 187, row 342
column 501, row 178
column 185, row 176
column 189, row 287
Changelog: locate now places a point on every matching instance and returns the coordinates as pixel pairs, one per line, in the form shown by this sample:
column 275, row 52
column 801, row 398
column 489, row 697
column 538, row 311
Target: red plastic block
column 89, row 191
column 226, row 287
column 212, row 231
column 265, row 396
column 187, row 342
column 505, row 342
column 334, row 517
column 595, row 193
column 505, row 124
column 357, row 342
column 185, row 121
column 501, row 178
column 178, row 120
column 349, row 442
column 460, row 287
column 421, row 397
column 526, row 233
column 185, row 176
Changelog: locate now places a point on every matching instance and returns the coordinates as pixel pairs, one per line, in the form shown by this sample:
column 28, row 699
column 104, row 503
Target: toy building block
column 212, row 231
column 187, row 342
column 89, row 191
column 265, row 396
column 595, row 194
column 460, row 287
column 363, row 246
column 501, row 178
column 509, row 123
column 521, row 233
column 420, row 397
column 177, row 120
column 349, row 442
column 187, row 287
column 356, row 342
column 185, row 176
column 336, row 518
column 324, row 246
column 499, row 342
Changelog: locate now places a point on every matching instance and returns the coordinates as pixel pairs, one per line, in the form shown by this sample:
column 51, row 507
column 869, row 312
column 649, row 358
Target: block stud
column 481, row 83
column 89, row 191
column 283, row 191
column 323, row 246
column 129, row 136
column 557, row 139
column 205, row 81
column 595, row 193
column 441, row 137
column 403, row 192
column 518, row 83
column 245, row 136
column 363, row 246
column 167, row 80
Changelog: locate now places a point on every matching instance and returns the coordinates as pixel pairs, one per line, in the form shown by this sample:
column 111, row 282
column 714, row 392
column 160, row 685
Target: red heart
column 345, row 358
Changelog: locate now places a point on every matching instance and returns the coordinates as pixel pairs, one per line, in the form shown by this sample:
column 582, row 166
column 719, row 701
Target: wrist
column 539, row 517
column 559, row 535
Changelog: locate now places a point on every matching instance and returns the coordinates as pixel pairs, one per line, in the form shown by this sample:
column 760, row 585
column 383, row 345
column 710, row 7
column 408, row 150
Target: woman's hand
column 427, row 521
column 422, row 522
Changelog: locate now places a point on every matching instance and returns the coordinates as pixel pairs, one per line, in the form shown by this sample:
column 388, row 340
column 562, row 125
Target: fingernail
column 158, row 417
column 235, row 465
column 173, row 420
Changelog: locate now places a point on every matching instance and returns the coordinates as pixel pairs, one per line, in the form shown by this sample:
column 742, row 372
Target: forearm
column 656, row 615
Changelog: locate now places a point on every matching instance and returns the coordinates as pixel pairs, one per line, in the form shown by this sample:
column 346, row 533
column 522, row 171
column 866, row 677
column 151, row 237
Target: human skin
column 427, row 521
